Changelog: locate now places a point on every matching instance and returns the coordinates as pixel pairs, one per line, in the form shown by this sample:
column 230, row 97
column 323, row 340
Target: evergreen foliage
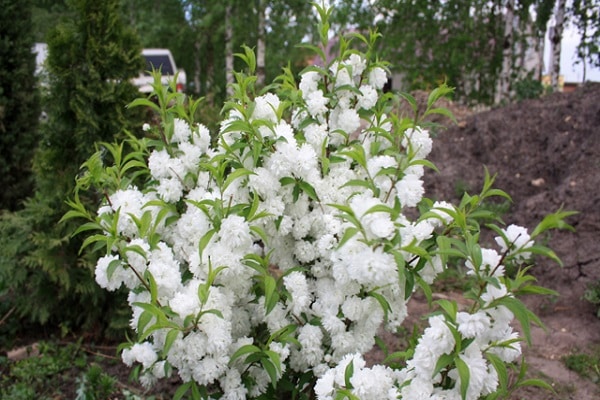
column 19, row 103
column 91, row 59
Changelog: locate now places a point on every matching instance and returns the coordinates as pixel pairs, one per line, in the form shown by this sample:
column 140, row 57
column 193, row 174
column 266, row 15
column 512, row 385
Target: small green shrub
column 586, row 365
column 592, row 294
column 528, row 88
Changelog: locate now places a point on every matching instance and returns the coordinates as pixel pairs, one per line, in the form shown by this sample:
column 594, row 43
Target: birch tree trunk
column 197, row 67
column 555, row 42
column 261, row 45
column 503, row 85
column 228, row 50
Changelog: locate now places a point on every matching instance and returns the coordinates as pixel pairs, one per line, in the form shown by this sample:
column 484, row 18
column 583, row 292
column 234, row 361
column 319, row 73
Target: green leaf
column 204, row 241
column 238, row 173
column 554, row 221
column 271, row 296
column 385, row 305
column 438, row 93
column 309, row 190
column 537, row 383
column 500, row 367
column 444, row 361
column 348, row 234
column 523, row 315
column 144, row 320
column 170, row 339
column 244, row 351
column 112, row 267
column 450, row 308
column 348, row 372
column 441, row 111
column 88, row 226
column 268, row 366
column 182, row 390
column 465, row 376
column 142, row 102
column 411, row 101
column 92, row 239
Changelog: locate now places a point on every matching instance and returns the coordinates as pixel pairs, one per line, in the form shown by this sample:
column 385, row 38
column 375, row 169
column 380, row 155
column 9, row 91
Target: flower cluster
column 282, row 248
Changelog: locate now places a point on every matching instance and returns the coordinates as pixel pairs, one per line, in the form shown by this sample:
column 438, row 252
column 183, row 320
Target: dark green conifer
column 91, row 60
column 19, row 103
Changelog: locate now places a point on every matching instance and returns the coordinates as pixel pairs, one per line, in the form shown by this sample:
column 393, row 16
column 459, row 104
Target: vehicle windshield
column 157, row 62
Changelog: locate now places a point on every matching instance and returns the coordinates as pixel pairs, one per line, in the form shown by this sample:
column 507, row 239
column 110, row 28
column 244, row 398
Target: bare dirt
column 546, row 154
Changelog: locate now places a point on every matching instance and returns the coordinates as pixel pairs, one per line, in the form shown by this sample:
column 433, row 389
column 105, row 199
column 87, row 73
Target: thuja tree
column 91, row 60
column 262, row 266
column 19, row 103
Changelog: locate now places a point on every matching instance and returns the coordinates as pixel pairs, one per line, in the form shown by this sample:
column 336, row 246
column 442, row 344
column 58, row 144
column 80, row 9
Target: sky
column 571, row 71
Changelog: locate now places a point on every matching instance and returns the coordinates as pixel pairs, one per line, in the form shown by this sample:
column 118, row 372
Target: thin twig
column 7, row 315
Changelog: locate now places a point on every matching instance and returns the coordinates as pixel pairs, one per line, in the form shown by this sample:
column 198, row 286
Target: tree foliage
column 91, row 60
column 19, row 103
column 586, row 17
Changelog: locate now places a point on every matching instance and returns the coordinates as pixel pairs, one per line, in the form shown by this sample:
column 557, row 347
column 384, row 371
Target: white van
column 160, row 59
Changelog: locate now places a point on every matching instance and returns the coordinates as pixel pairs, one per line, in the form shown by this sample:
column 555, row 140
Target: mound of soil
column 546, row 154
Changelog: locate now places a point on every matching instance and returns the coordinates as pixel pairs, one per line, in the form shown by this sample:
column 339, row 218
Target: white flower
column 367, row 98
column 265, row 107
column 143, row 353
column 170, row 189
column 233, row 386
column 432, row 268
column 472, row 325
column 235, row 231
column 102, row 267
column 347, row 121
column 146, row 127
column 409, row 190
column 185, row 301
column 418, row 388
column 324, row 388
column 315, row 134
column 309, row 82
column 311, row 353
column 181, row 131
column 298, row 287
column 441, row 208
column 316, row 103
column 490, row 264
column 492, row 293
column 190, row 156
column 342, row 75
column 517, row 240
column 202, row 138
column 418, row 142
column 357, row 64
column 378, row 78
column 437, row 337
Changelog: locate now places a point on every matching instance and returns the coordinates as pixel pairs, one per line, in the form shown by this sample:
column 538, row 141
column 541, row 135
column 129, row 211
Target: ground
column 546, row 154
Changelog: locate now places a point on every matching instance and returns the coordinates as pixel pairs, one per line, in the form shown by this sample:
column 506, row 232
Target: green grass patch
column 584, row 364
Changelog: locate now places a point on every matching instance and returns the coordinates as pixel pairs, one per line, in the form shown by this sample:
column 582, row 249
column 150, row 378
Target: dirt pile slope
column 546, row 154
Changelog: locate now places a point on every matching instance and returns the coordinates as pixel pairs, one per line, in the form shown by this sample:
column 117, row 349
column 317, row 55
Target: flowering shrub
column 262, row 265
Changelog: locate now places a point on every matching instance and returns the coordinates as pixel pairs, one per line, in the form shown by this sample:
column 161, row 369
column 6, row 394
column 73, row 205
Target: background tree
column 556, row 32
column 285, row 25
column 586, row 17
column 45, row 14
column 91, row 59
column 19, row 103
column 162, row 24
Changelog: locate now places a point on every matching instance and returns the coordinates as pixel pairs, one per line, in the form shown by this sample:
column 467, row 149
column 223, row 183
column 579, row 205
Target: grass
column 52, row 370
column 587, row 365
